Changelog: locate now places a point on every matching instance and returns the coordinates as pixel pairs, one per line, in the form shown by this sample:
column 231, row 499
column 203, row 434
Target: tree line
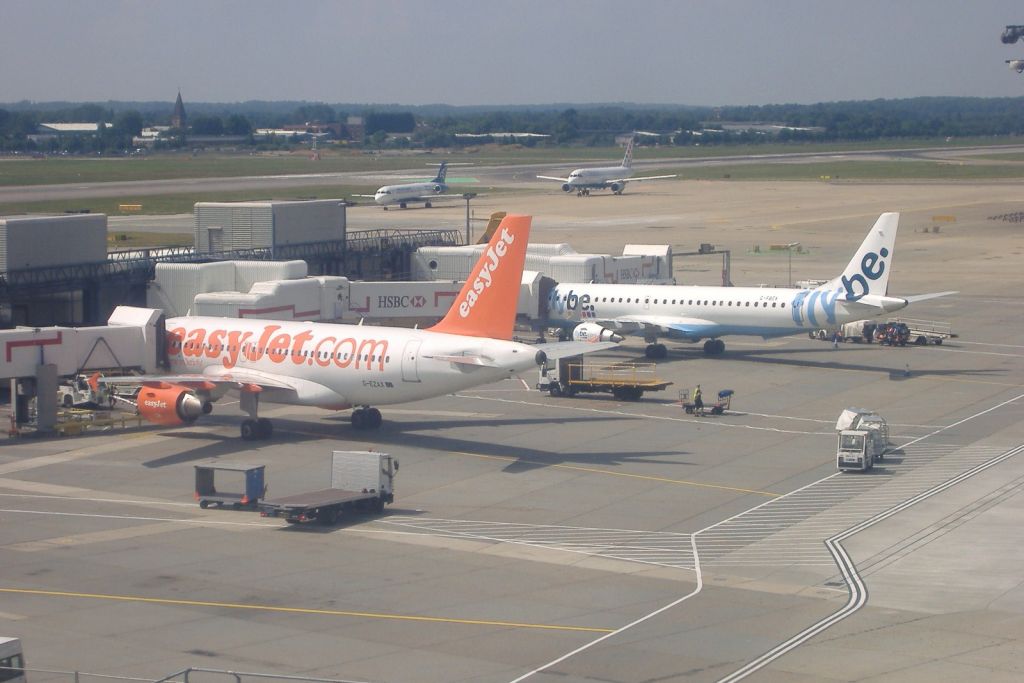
column 440, row 125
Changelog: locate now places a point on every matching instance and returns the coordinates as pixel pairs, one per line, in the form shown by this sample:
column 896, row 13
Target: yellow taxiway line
column 303, row 610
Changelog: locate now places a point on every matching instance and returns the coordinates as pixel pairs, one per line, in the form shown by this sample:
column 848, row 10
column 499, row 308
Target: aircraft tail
column 627, row 160
column 492, row 225
column 441, row 173
column 486, row 306
column 867, row 274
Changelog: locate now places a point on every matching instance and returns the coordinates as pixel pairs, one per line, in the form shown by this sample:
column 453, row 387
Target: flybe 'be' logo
column 871, row 268
column 485, row 278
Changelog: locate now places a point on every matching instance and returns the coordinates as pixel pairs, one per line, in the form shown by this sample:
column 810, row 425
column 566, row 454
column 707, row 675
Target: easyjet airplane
column 343, row 366
column 691, row 314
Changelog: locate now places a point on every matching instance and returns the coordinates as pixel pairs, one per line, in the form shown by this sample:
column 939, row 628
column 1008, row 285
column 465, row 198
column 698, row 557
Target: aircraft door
column 410, row 358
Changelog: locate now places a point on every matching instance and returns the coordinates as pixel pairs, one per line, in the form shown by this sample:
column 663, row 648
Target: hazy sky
column 500, row 52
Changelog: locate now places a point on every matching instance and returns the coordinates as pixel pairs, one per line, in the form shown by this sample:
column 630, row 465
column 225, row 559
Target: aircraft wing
column 298, row 389
column 556, row 350
column 695, row 328
column 367, row 196
column 646, row 177
column 551, row 177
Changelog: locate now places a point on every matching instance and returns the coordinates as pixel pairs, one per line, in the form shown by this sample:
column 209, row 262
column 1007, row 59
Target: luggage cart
column 207, row 493
column 723, row 403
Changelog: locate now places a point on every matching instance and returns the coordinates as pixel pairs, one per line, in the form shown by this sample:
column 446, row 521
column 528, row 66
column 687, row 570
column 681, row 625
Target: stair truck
column 361, row 481
column 863, row 437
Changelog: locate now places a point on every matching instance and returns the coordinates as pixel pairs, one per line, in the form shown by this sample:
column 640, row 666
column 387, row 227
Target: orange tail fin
column 486, row 306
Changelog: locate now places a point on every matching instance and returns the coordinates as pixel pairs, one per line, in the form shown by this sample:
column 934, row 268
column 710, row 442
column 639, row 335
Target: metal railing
column 34, row 675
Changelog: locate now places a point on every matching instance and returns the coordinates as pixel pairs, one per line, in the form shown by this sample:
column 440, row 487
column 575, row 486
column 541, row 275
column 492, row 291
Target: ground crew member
column 835, row 339
column 698, row 402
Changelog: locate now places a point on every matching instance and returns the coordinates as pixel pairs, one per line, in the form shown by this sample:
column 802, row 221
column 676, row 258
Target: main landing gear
column 714, row 347
column 366, row 418
column 582, row 193
column 655, row 351
column 255, row 428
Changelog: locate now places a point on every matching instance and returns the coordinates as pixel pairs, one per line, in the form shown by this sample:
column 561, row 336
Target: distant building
column 356, row 127
column 178, row 118
column 46, row 132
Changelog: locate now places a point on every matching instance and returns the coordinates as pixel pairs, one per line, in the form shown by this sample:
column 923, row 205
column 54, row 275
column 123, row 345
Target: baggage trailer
column 927, row 331
column 361, row 481
column 207, row 492
column 625, row 381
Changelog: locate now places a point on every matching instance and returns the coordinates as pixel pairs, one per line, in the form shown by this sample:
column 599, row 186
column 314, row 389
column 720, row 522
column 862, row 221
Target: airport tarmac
column 587, row 539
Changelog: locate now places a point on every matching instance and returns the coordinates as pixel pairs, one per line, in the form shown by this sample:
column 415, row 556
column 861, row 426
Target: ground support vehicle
column 208, row 494
column 360, row 481
column 723, row 403
column 12, row 661
column 892, row 333
column 923, row 332
column 82, row 392
column 625, row 381
column 856, row 331
column 863, row 437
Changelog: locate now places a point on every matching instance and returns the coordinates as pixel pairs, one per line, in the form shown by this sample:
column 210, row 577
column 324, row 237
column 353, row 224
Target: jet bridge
column 32, row 358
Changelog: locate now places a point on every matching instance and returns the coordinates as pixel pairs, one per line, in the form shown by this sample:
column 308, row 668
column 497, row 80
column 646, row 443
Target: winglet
column 486, row 306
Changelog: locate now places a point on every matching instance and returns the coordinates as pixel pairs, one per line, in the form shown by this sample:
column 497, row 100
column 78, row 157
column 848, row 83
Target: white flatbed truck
column 361, row 481
column 12, row 660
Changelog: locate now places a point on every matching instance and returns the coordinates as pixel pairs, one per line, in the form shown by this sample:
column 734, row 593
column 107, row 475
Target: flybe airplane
column 351, row 366
column 692, row 314
column 614, row 178
column 414, row 192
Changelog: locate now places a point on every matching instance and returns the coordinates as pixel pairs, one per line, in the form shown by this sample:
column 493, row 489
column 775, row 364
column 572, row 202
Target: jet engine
column 617, row 187
column 170, row 405
column 592, row 332
column 438, row 189
column 566, row 187
column 1016, row 64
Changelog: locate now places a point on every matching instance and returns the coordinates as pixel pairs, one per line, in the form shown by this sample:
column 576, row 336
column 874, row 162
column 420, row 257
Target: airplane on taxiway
column 336, row 366
column 614, row 178
column 405, row 193
column 692, row 314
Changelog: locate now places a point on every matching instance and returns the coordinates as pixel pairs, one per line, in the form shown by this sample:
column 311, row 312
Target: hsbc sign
column 392, row 301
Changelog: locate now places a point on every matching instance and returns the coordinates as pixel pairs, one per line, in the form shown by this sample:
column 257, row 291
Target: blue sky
column 522, row 52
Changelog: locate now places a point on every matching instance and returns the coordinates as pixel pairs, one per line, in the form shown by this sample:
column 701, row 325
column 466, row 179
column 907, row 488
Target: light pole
column 467, row 196
column 789, row 248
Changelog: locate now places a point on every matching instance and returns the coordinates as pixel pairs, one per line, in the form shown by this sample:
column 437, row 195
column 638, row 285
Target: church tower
column 178, row 118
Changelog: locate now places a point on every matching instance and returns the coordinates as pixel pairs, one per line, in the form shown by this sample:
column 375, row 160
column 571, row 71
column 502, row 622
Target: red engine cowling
column 169, row 405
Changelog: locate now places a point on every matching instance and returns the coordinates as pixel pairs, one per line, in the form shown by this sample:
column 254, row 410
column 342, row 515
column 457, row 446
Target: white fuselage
column 597, row 177
column 393, row 194
column 338, row 366
column 707, row 312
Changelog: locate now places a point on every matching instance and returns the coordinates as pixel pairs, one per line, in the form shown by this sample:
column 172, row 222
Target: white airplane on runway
column 694, row 313
column 341, row 366
column 613, row 178
column 414, row 192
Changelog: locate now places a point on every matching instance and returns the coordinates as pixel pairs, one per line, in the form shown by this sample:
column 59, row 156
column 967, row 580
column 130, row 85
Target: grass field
column 170, row 166
column 851, row 170
column 118, row 240
column 183, row 203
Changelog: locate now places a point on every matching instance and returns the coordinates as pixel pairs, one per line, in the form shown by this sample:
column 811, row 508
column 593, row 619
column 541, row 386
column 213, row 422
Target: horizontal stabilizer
column 476, row 361
column 556, row 350
column 924, row 297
